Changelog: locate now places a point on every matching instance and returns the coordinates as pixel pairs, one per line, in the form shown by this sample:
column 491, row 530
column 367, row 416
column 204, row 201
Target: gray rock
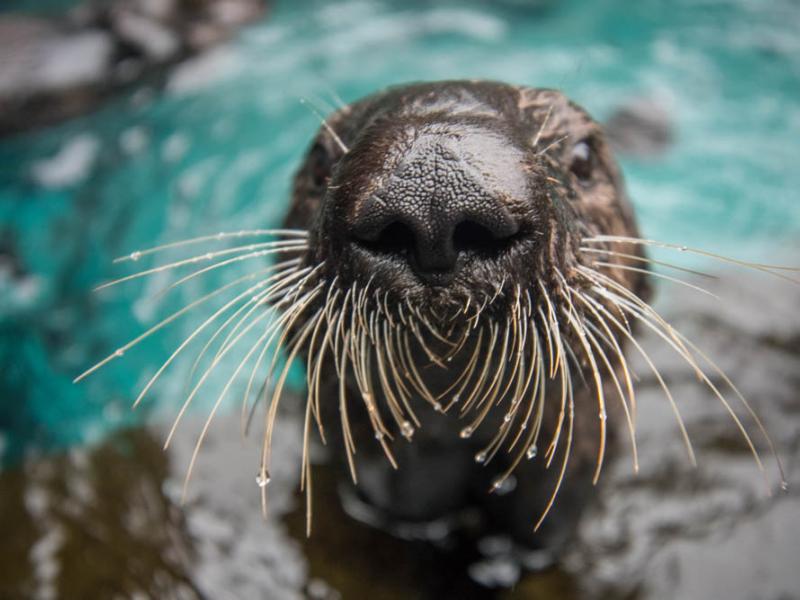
column 641, row 128
column 53, row 69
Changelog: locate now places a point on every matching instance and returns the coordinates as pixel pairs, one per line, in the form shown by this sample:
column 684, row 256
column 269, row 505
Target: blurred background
column 130, row 123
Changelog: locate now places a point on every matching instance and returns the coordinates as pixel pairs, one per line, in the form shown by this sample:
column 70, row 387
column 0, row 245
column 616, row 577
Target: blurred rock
column 53, row 69
column 641, row 127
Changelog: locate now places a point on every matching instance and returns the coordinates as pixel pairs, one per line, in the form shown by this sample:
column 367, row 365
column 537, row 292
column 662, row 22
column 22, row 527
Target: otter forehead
column 518, row 112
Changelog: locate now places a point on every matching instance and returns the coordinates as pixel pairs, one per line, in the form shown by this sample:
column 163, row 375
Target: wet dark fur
column 497, row 125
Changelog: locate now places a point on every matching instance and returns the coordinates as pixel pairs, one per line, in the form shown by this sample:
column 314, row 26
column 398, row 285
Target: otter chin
column 461, row 270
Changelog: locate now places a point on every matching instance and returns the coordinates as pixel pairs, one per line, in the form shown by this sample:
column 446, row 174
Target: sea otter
column 462, row 271
column 446, row 220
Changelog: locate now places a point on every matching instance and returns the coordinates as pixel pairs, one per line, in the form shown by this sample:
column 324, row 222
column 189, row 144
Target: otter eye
column 582, row 160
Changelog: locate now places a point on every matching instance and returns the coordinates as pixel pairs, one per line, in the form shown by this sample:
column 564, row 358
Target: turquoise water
column 216, row 148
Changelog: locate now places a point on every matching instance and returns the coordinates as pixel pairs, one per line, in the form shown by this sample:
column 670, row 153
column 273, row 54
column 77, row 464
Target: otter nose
column 433, row 231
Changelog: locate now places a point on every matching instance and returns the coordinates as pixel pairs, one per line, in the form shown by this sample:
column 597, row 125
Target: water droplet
column 262, row 479
column 503, row 485
column 480, row 457
column 136, row 255
column 221, row 235
column 456, row 399
column 378, row 436
column 407, row 429
column 437, row 407
column 119, row 352
column 507, row 417
column 784, row 485
column 532, row 451
column 602, row 415
column 683, row 248
column 466, row 432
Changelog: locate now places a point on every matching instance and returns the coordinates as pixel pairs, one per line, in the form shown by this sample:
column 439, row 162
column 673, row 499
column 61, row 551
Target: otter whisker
column 278, row 293
column 579, row 329
column 487, row 400
column 196, row 451
column 277, row 393
column 385, row 304
column 647, row 260
column 253, row 322
column 553, row 319
column 566, row 390
column 537, row 399
column 219, row 265
column 432, row 356
column 409, row 364
column 314, row 385
column 745, row 403
column 397, row 407
column 264, row 249
column 629, row 336
column 533, row 377
column 138, row 254
column 283, row 278
column 518, row 349
column 163, row 323
column 482, row 378
column 692, row 286
column 327, row 126
column 347, row 434
column 764, row 268
column 615, row 380
column 459, row 345
column 669, row 338
column 435, row 332
column 361, row 363
column 611, row 341
column 464, row 378
column 576, row 322
column 340, row 337
column 606, row 282
column 559, row 364
column 314, row 351
column 305, row 478
column 552, row 145
column 542, row 127
column 565, row 460
column 196, row 332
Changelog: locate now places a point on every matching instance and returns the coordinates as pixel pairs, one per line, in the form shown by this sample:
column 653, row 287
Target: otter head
column 446, row 273
column 454, row 247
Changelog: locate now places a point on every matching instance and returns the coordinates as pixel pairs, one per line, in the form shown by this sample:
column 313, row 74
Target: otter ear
column 319, row 165
column 310, row 183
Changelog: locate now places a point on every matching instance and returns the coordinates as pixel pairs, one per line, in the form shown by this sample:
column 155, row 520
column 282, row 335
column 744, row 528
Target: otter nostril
column 471, row 236
column 396, row 238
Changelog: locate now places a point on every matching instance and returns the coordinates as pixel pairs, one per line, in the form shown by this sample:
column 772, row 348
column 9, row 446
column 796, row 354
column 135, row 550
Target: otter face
column 450, row 193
